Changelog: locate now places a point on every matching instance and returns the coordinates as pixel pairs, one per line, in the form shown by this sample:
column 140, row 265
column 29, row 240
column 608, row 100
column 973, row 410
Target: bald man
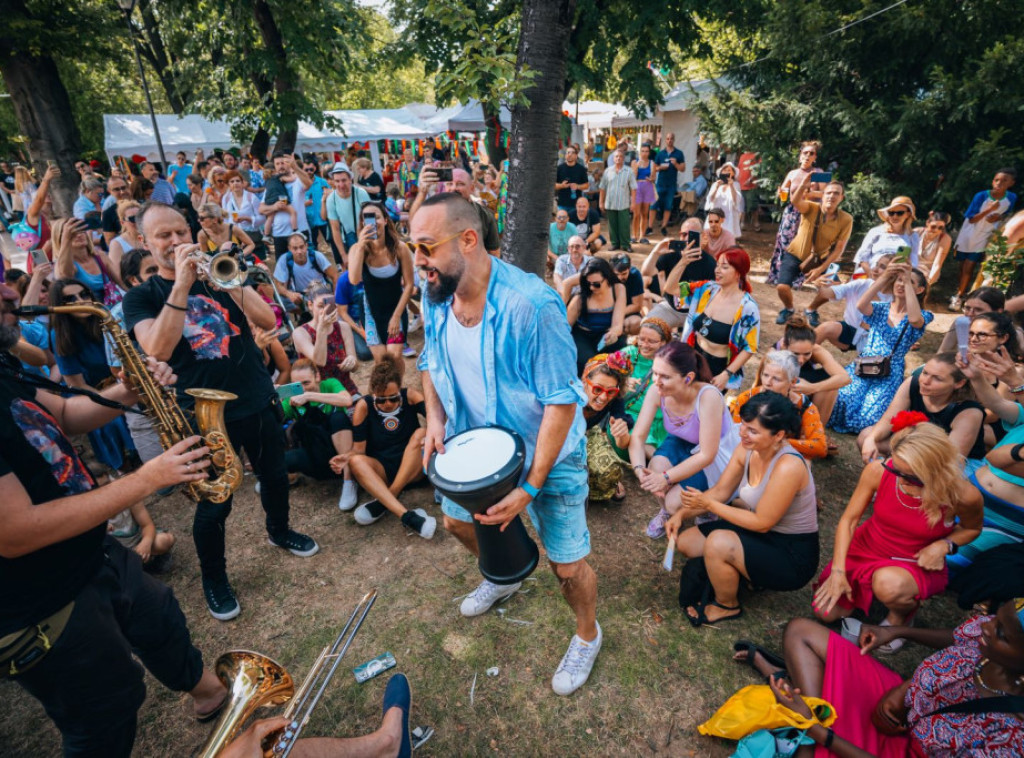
column 462, row 184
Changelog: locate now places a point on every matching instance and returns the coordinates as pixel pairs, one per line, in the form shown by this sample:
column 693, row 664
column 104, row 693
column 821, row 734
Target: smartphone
column 693, row 239
column 677, row 246
column 51, row 164
column 443, row 173
column 962, row 324
column 288, row 391
column 902, row 254
column 832, row 273
column 92, row 220
column 821, row 177
column 370, row 220
column 330, row 308
column 38, row 257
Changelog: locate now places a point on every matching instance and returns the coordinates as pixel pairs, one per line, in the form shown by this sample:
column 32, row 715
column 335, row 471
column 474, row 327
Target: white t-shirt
column 851, row 292
column 465, row 350
column 297, row 197
column 973, row 238
column 879, row 242
column 304, row 274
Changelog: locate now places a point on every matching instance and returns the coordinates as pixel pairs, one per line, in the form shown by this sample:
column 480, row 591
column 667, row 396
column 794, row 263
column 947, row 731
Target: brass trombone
column 255, row 681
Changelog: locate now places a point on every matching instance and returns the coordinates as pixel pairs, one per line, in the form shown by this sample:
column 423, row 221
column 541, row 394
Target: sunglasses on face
column 910, row 479
column 428, row 249
column 74, row 297
column 129, row 219
column 598, row 390
column 387, row 399
column 595, row 285
column 897, row 213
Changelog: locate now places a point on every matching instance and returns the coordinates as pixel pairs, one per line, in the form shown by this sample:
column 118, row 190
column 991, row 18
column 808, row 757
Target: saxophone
column 161, row 407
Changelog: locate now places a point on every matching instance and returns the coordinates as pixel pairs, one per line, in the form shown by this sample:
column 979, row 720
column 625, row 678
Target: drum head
column 478, row 460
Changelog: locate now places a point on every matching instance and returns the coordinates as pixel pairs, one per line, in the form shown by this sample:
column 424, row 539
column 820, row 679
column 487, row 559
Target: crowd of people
column 611, row 366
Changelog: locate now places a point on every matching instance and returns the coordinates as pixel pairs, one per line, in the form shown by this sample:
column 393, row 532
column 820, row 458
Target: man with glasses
column 568, row 266
column 110, row 224
column 497, row 351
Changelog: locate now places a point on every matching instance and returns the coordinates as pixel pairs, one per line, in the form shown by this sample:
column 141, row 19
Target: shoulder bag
column 876, row 366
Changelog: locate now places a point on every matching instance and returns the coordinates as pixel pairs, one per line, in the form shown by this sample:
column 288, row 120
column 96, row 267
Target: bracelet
column 1015, row 452
column 1018, row 390
column 829, row 737
column 529, row 489
column 639, row 466
column 665, row 474
column 953, row 547
column 175, row 307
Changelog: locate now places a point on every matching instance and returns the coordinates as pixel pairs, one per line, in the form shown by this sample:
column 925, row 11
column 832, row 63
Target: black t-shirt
column 634, row 284
column 699, row 271
column 387, row 438
column 584, row 226
column 216, row 350
column 944, row 418
column 374, row 180
column 35, row 450
column 577, row 174
column 109, row 222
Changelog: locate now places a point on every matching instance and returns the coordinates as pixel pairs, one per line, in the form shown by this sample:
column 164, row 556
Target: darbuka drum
column 479, row 467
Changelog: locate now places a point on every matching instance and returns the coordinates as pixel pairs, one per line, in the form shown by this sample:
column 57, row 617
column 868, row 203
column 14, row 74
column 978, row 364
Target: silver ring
column 188, row 467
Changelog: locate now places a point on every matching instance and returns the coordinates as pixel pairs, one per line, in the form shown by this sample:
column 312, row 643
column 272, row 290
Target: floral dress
column 862, row 402
column 788, row 225
column 635, row 400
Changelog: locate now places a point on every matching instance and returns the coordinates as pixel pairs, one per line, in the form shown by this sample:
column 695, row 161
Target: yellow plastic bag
column 755, row 707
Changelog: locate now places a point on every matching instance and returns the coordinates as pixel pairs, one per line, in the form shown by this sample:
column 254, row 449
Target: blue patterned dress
column 862, row 402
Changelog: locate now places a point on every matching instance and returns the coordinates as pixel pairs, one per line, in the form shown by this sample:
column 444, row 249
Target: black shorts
column 847, row 335
column 774, row 561
column 813, row 373
column 789, row 269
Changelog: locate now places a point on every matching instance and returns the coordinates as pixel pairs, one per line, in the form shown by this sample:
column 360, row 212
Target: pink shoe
column 656, row 529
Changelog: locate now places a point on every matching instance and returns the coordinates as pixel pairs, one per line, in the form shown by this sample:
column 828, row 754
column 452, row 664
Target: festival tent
column 470, row 118
column 593, row 115
column 435, row 119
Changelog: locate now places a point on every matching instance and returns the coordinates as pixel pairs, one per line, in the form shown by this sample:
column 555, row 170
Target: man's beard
column 9, row 336
column 444, row 288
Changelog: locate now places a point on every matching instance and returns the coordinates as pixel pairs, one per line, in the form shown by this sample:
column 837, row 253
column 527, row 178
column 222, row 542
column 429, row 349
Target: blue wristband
column 529, row 489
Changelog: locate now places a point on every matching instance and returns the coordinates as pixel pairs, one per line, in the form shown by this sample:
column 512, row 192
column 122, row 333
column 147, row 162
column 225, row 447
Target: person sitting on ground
column 568, row 266
column 715, row 237
column 299, row 269
column 700, row 434
column 780, row 373
column 944, row 709
column 850, row 332
column 387, row 452
column 981, row 300
column 326, row 340
column 604, row 379
column 351, row 308
column 660, row 274
column 654, row 334
column 821, row 375
column 941, row 392
column 596, row 314
column 587, row 222
column 633, row 281
column 559, row 234
column 935, row 243
column 134, row 529
column 890, row 237
column 923, row 510
column 765, row 526
column 724, row 321
column 321, row 430
column 893, row 328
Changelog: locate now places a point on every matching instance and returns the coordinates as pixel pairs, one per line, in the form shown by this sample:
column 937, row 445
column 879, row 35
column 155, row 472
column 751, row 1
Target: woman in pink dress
column 923, row 511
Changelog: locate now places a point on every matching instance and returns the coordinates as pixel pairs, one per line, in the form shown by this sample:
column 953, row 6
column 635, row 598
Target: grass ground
column 655, row 680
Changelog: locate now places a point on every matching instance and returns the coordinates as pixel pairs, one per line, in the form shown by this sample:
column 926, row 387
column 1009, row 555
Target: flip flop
column 398, row 694
column 619, row 497
column 205, row 718
column 751, row 649
column 702, row 620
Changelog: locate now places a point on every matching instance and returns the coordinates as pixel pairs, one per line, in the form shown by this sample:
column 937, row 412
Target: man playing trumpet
column 202, row 331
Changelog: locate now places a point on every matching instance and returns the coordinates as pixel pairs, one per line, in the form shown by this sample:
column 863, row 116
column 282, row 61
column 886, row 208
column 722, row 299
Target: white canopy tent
column 593, row 115
column 470, row 118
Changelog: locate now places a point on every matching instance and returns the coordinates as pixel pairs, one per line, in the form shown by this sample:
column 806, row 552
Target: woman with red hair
column 724, row 321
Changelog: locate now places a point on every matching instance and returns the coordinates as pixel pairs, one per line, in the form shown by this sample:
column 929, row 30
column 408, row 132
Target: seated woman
column 701, row 435
column 780, row 374
column 935, row 243
column 821, row 375
column 1001, row 479
column 981, row 300
column 322, row 428
column 608, row 424
column 325, row 339
column 654, row 335
column 387, row 452
column 767, row 518
column 597, row 313
column 724, row 321
column 887, row 717
column 923, row 510
column 214, row 233
column 894, row 328
column 942, row 394
column 988, row 333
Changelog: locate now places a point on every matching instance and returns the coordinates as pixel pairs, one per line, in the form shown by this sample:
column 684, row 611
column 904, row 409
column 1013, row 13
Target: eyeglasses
column 387, row 399
column 910, row 479
column 980, row 335
column 971, row 310
column 597, row 389
column 79, row 297
column 896, row 213
column 130, row 219
column 122, row 188
column 428, row 249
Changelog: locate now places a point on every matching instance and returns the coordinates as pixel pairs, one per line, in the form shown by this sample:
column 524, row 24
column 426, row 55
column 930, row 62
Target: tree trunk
column 285, row 79
column 495, row 138
column 543, row 41
column 151, row 45
column 43, row 109
column 260, row 145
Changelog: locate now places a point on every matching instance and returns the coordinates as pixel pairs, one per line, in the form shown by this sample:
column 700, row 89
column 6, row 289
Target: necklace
column 390, row 419
column 980, row 681
column 899, row 499
column 677, row 420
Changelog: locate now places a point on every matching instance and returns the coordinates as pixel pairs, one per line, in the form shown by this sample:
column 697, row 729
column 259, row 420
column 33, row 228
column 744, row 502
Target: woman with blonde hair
column 128, row 239
column 924, row 510
column 24, row 188
column 215, row 233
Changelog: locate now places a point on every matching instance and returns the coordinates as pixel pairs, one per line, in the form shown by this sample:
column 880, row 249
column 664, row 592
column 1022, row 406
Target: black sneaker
column 420, row 522
column 369, row 512
column 295, row 543
column 220, row 599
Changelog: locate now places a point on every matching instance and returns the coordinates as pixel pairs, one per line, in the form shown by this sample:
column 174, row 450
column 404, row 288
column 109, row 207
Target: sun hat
column 883, row 213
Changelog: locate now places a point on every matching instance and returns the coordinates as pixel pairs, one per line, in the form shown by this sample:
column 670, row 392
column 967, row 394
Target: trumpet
column 226, row 269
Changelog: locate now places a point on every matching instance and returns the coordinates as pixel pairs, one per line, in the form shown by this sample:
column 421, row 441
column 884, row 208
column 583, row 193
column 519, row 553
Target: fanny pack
column 23, row 649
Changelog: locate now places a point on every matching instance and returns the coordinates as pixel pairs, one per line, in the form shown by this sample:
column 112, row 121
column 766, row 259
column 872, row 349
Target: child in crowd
column 135, row 530
column 849, row 333
column 986, row 211
column 274, row 192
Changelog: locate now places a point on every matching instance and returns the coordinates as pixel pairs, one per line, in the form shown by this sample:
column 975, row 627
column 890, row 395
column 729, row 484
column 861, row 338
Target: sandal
column 205, row 718
column 620, row 493
column 701, row 618
column 751, row 649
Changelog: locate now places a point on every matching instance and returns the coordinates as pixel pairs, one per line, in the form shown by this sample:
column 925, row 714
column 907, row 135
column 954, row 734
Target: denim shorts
column 558, row 513
column 677, row 451
column 666, row 198
column 976, row 257
column 789, row 269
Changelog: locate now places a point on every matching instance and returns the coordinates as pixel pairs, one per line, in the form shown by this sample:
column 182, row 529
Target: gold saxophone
column 161, row 407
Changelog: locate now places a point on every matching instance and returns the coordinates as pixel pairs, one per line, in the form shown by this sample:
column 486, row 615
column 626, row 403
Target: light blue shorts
column 558, row 513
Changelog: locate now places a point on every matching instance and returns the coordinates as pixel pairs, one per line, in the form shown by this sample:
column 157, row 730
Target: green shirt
column 327, row 387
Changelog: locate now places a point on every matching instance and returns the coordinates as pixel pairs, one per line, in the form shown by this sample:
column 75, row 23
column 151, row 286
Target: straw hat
column 902, row 200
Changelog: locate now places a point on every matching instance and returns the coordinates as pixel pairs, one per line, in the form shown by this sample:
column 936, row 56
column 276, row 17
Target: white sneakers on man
column 574, row 670
column 487, row 594
column 349, row 495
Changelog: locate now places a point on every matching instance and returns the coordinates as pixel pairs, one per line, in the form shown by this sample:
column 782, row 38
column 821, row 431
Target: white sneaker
column 421, row 523
column 415, row 324
column 487, row 594
column 574, row 670
column 954, row 303
column 349, row 495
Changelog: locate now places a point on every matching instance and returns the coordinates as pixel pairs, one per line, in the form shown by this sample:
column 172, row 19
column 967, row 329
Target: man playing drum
column 497, row 350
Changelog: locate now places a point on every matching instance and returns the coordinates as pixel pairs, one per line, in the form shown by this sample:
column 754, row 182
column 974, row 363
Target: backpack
column 289, row 261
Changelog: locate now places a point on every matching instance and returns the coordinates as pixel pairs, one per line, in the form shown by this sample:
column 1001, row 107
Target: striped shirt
column 618, row 186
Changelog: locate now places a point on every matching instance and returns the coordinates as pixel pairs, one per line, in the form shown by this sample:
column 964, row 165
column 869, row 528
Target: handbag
column 772, row 743
column 755, row 707
column 876, row 366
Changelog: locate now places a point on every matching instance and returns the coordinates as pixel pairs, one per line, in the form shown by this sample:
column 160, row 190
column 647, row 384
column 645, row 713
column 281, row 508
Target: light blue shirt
column 163, row 191
column 315, row 192
column 82, row 206
column 529, row 358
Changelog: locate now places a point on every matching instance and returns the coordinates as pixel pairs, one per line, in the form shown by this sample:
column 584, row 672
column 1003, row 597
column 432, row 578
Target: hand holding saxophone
column 181, row 463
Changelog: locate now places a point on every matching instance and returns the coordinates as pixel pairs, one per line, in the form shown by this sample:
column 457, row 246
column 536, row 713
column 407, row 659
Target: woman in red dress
column 923, row 511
